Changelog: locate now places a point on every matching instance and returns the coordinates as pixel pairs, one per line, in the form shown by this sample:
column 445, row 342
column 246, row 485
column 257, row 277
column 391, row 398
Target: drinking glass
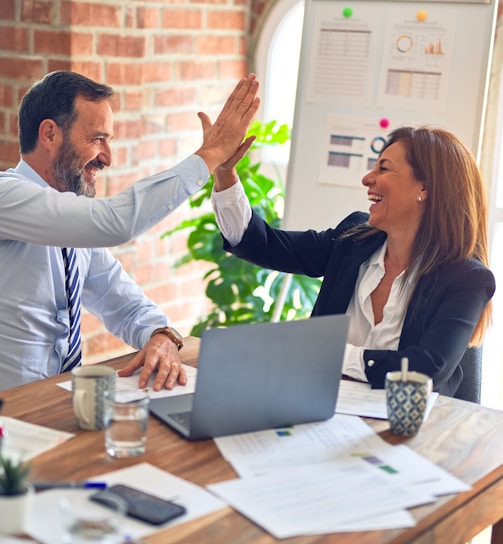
column 126, row 417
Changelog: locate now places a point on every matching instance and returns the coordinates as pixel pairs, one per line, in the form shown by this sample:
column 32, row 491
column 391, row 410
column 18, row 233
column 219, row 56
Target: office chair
column 470, row 386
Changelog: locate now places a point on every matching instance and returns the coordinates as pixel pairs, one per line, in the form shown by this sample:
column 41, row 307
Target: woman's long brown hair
column 454, row 223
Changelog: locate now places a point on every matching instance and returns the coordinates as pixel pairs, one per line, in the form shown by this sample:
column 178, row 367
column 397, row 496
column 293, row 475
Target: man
column 65, row 129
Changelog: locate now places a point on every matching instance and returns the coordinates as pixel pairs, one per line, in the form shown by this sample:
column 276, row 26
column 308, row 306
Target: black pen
column 40, row 486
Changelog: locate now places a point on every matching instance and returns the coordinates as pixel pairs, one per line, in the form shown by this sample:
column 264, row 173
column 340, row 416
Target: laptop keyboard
column 183, row 418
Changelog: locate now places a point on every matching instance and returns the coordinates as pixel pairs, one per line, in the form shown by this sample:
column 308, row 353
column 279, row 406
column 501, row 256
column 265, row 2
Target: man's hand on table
column 159, row 354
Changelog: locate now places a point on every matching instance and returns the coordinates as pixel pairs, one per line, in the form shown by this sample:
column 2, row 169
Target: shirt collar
column 377, row 259
column 25, row 170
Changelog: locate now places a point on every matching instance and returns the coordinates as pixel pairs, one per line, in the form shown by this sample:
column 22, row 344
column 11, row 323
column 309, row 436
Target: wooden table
column 463, row 438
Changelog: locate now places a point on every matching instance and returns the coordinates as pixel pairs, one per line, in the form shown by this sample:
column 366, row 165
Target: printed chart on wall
column 416, row 59
column 342, row 56
column 352, row 148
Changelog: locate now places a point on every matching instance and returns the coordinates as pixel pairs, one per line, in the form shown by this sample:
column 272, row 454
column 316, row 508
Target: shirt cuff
column 353, row 364
column 232, row 212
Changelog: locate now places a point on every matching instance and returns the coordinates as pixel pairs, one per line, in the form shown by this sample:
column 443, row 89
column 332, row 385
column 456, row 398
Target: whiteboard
column 367, row 67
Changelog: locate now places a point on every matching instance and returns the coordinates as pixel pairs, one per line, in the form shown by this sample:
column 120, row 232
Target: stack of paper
column 327, row 477
column 25, row 440
column 358, row 399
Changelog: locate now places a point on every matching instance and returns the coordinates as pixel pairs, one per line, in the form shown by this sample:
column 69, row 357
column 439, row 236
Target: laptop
column 260, row 376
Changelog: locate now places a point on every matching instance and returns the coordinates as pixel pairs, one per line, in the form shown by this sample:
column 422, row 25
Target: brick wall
column 166, row 59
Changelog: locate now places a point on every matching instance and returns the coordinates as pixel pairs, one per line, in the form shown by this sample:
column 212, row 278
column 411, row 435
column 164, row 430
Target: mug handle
column 78, row 406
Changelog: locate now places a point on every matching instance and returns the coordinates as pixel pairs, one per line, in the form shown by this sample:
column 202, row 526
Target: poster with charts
column 416, row 58
column 351, row 148
column 343, row 54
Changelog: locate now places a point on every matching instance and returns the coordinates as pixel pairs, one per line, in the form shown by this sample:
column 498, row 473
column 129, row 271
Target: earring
column 419, row 198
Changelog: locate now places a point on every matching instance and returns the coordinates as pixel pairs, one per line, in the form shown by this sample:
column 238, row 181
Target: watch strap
column 172, row 334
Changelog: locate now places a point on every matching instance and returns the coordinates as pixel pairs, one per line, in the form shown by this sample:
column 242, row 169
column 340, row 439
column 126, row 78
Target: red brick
column 82, row 44
column 6, row 96
column 144, row 274
column 215, row 45
column 191, row 70
column 120, row 155
column 181, row 44
column 12, row 123
column 161, row 293
column 101, row 343
column 89, row 322
column 63, row 42
column 38, row 11
column 152, row 123
column 52, row 42
column 7, row 10
column 173, row 97
column 182, row 121
column 14, row 39
column 226, row 20
column 87, row 14
column 101, row 187
column 148, row 149
column 133, row 100
column 156, row 71
column 9, row 152
column 91, row 69
column 148, row 17
column 124, row 73
column 182, row 18
column 22, row 69
column 121, row 46
column 167, row 147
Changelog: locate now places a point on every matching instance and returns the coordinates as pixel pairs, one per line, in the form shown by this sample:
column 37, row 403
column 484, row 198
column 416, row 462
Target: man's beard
column 68, row 175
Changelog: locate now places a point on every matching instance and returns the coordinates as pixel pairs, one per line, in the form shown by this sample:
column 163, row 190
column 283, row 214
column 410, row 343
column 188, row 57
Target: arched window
column 277, row 63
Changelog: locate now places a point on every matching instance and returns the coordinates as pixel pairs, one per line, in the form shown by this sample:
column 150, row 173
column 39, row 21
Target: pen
column 40, row 486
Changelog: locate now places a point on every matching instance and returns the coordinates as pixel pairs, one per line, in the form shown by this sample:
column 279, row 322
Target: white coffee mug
column 89, row 385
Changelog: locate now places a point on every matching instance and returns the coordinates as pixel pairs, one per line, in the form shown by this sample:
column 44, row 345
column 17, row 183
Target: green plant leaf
column 13, row 476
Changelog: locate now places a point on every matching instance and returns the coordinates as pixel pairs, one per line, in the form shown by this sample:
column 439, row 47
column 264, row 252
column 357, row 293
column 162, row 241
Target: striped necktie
column 73, row 296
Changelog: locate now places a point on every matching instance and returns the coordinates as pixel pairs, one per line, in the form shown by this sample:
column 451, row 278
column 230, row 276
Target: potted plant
column 16, row 495
column 240, row 292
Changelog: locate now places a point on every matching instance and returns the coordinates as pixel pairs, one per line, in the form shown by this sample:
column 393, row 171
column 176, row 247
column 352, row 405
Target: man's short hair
column 53, row 97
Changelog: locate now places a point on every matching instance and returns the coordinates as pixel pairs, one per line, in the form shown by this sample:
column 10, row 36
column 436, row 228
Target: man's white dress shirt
column 35, row 221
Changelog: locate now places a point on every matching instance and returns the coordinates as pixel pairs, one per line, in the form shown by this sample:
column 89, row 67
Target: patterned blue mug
column 406, row 401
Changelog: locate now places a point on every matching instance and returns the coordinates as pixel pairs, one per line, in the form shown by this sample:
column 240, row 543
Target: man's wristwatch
column 172, row 334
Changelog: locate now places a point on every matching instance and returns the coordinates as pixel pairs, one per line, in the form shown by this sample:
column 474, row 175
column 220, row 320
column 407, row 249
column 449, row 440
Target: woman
column 412, row 274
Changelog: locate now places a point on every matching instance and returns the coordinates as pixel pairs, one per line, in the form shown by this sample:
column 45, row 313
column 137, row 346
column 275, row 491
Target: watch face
column 176, row 334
